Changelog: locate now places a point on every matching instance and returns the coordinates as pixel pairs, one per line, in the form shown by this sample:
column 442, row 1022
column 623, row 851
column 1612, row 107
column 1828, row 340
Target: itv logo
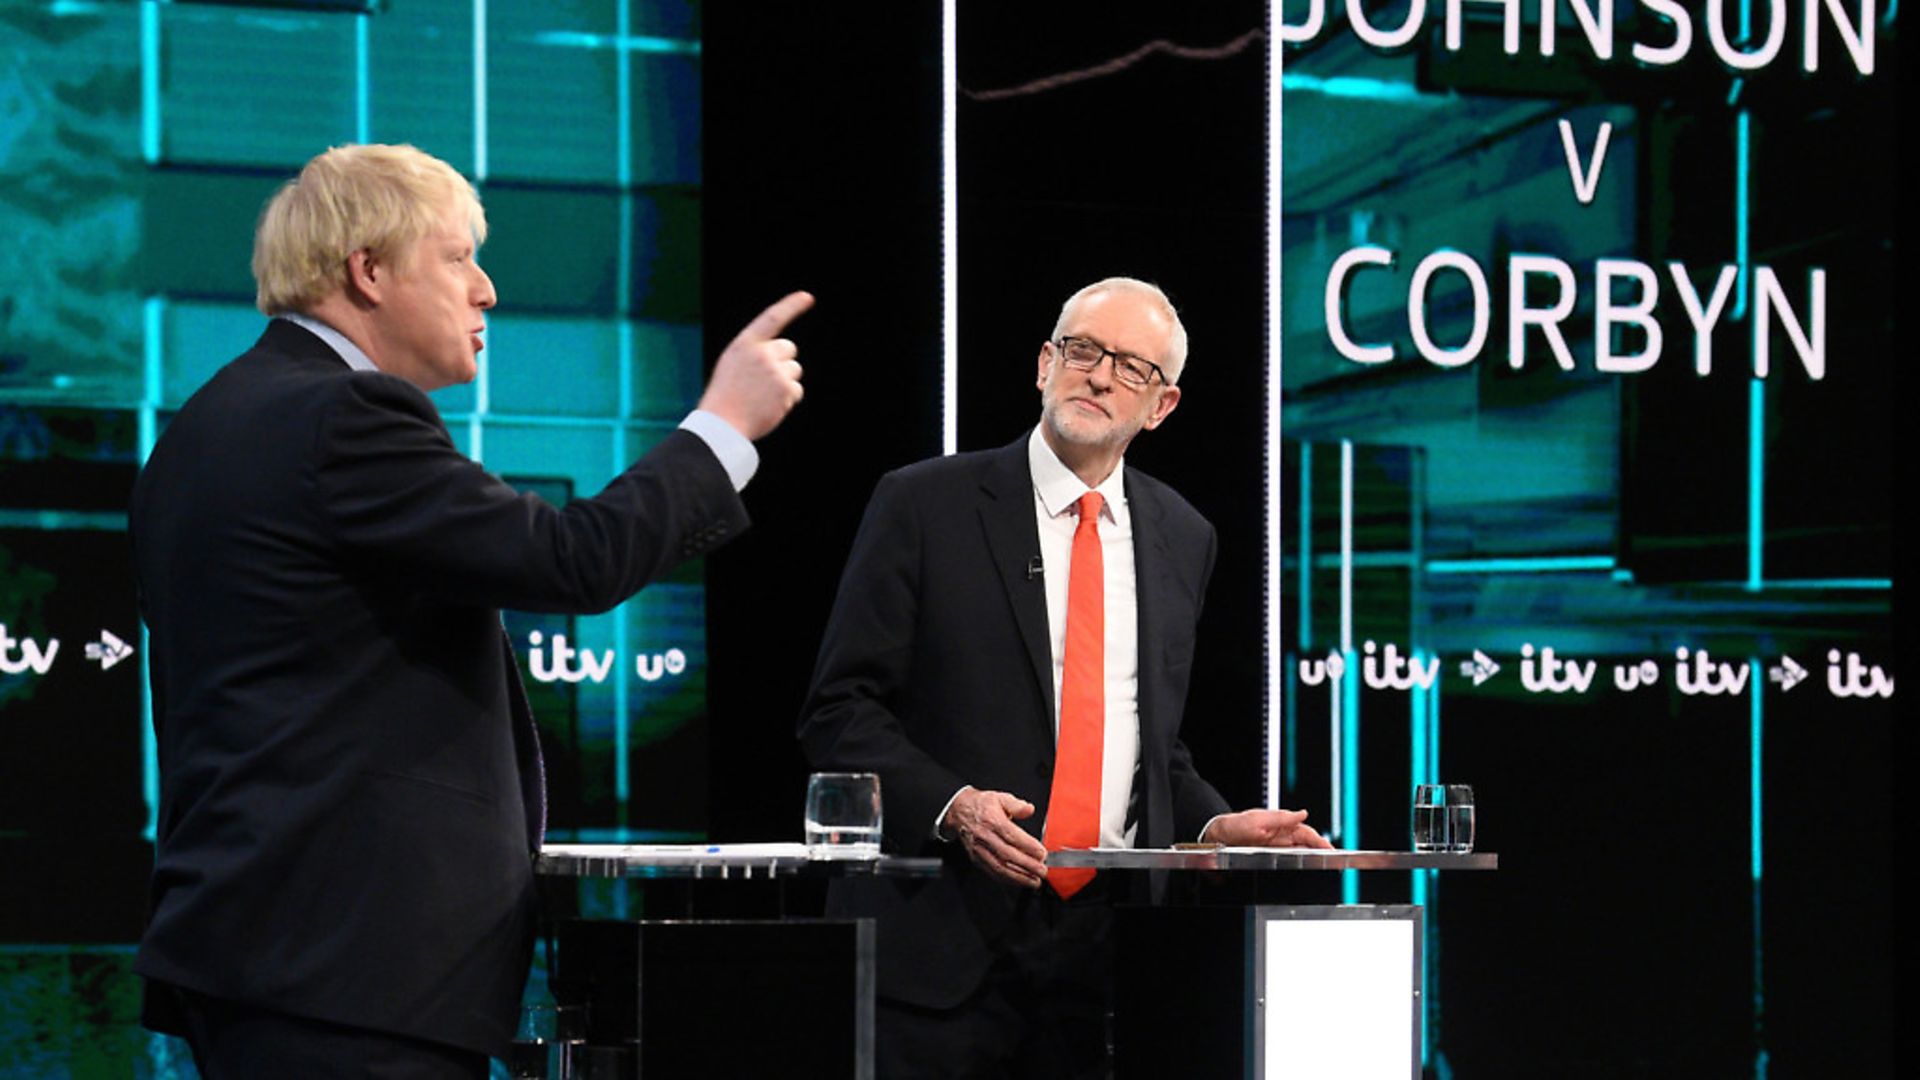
column 21, row 655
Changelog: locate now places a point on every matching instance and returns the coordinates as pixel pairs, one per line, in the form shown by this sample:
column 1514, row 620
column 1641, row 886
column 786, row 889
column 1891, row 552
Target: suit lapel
column 1151, row 563
column 1013, row 538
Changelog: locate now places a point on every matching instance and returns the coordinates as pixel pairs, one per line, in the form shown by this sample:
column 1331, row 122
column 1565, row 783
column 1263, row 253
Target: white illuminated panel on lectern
column 1338, row 997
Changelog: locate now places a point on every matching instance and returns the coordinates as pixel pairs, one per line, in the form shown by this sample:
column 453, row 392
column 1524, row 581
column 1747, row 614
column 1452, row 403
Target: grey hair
column 1176, row 359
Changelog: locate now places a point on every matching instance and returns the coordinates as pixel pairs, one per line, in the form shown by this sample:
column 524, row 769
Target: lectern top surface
column 1253, row 859
column 715, row 861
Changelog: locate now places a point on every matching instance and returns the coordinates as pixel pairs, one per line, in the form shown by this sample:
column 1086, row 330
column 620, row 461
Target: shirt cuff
column 735, row 451
column 1203, row 829
column 941, row 818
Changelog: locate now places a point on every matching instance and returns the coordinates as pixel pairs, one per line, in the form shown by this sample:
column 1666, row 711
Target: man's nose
column 483, row 294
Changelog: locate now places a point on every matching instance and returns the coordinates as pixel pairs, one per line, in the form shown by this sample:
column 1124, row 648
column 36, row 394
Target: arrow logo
column 1788, row 674
column 110, row 650
column 1480, row 668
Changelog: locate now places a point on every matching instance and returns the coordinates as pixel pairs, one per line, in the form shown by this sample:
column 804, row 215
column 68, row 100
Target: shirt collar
column 1058, row 487
column 335, row 340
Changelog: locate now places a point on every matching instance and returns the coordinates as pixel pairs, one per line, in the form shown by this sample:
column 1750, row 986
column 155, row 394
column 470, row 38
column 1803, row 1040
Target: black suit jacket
column 349, row 781
column 936, row 672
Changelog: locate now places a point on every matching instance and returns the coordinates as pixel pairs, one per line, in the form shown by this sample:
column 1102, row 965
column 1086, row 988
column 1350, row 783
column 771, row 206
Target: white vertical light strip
column 949, row 230
column 1337, row 689
column 1275, row 657
column 1303, row 554
column 479, row 90
column 1336, row 753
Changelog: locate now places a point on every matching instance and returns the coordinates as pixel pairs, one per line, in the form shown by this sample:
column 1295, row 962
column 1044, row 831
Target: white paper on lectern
column 1339, row 999
column 1310, row 850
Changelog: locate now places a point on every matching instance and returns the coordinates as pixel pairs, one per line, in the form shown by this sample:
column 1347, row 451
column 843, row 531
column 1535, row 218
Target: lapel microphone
column 1034, row 568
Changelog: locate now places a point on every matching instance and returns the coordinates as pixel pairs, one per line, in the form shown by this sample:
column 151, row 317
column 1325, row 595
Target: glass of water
column 1430, row 817
column 1459, row 818
column 843, row 816
column 1443, row 817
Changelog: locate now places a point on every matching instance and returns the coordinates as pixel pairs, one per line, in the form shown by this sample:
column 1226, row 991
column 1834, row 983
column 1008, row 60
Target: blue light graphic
column 621, row 42
column 1357, row 88
column 1548, row 564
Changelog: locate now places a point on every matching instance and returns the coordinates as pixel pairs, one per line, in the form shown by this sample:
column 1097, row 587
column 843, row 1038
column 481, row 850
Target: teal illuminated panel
column 198, row 339
column 297, row 71
column 553, row 366
column 582, row 454
column 667, row 369
column 666, row 141
column 667, row 655
column 552, row 249
column 69, row 175
column 552, row 105
column 420, row 78
column 196, row 231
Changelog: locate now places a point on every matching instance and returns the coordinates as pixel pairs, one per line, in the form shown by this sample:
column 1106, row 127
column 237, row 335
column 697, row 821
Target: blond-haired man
column 350, row 778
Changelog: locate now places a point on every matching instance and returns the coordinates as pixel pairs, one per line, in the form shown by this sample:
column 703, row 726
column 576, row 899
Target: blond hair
column 380, row 198
column 1176, row 359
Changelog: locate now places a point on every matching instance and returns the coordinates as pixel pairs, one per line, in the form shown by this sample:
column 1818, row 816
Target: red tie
column 1073, row 809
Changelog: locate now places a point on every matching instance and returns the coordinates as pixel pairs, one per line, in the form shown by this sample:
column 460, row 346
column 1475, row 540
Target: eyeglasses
column 1083, row 355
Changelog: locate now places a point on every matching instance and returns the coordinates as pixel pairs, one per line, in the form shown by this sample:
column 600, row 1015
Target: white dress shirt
column 1055, row 491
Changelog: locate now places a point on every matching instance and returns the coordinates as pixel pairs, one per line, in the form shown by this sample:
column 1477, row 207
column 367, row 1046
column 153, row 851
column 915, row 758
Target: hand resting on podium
column 983, row 822
column 1263, row 828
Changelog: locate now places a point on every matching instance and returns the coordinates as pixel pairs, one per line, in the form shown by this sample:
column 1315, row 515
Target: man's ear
column 1169, row 397
column 1046, row 364
column 367, row 276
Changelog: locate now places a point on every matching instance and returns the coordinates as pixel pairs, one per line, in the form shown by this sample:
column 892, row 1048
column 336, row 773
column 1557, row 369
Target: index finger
column 769, row 323
column 1020, row 839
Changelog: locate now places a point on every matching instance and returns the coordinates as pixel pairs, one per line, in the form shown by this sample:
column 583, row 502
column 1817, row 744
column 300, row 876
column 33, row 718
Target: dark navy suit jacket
column 349, row 790
column 936, row 671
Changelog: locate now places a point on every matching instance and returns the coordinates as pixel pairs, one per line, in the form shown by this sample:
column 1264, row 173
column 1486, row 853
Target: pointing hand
column 756, row 381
